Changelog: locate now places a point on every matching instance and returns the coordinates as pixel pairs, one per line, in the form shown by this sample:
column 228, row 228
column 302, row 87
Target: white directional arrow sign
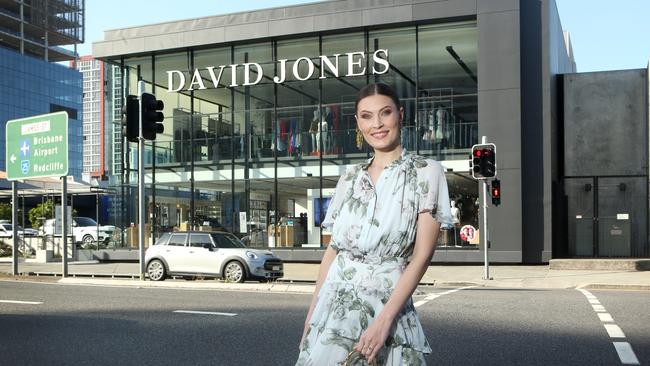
column 13, row 158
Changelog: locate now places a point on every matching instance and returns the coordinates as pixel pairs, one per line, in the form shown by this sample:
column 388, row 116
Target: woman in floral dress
column 384, row 211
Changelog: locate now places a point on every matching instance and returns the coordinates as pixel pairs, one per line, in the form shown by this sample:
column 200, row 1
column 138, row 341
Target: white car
column 6, row 231
column 210, row 254
column 84, row 230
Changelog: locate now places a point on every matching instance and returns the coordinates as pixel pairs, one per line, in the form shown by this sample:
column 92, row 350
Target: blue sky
column 606, row 34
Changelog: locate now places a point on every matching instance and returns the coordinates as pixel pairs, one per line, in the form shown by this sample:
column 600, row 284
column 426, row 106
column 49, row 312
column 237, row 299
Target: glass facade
column 29, row 87
column 245, row 153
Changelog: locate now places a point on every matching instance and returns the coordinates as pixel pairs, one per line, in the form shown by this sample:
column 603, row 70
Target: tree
column 5, row 211
column 42, row 210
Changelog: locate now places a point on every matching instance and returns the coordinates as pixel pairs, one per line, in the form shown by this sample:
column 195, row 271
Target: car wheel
column 88, row 240
column 234, row 272
column 156, row 270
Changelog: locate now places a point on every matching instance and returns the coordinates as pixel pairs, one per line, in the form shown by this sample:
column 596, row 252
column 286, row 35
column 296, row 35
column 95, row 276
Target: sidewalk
column 297, row 274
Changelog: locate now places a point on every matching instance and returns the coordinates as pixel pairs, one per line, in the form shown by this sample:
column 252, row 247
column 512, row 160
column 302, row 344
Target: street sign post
column 37, row 146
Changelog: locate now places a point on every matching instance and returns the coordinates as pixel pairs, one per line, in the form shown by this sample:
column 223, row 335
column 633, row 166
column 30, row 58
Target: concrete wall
column 606, row 134
column 606, row 123
column 557, row 58
column 299, row 19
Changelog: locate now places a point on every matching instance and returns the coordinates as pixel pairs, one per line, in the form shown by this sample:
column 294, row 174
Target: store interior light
column 462, row 63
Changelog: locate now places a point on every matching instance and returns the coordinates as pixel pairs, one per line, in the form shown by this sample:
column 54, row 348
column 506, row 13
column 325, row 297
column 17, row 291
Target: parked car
column 84, row 230
column 210, row 254
column 6, row 231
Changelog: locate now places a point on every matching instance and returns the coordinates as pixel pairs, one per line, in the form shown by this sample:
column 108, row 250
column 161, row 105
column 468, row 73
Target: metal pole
column 64, row 225
column 97, row 216
column 485, row 225
column 141, row 213
column 14, row 228
column 485, row 231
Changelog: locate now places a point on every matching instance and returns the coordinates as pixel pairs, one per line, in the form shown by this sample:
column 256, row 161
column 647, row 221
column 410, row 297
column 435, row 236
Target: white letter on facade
column 215, row 79
column 310, row 68
column 170, row 81
column 334, row 68
column 233, row 75
column 247, row 73
column 352, row 63
column 380, row 61
column 283, row 72
column 196, row 79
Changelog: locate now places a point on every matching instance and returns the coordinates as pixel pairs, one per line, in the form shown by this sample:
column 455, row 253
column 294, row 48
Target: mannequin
column 313, row 130
column 322, row 133
column 455, row 215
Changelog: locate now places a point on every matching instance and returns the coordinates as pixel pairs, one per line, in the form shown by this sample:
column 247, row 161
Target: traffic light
column 496, row 192
column 484, row 161
column 130, row 118
column 151, row 116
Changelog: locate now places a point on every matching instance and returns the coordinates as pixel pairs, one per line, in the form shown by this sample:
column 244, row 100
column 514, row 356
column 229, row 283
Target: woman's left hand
column 372, row 339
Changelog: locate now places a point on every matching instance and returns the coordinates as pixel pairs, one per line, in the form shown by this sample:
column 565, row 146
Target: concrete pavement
column 299, row 277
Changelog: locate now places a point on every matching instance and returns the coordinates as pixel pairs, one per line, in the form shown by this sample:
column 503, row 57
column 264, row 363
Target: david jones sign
column 355, row 61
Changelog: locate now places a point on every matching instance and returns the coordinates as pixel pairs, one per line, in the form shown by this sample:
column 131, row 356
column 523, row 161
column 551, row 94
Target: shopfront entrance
column 607, row 216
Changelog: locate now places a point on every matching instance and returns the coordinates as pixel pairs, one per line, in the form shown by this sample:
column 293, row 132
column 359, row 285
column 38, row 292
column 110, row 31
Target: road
column 99, row 325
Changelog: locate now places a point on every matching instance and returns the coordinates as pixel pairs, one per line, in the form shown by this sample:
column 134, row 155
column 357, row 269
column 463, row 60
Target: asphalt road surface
column 53, row 324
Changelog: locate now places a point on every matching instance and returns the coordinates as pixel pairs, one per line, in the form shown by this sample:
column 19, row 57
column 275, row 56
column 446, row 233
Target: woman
column 383, row 212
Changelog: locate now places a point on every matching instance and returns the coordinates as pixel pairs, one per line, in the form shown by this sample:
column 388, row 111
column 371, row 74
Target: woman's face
column 379, row 120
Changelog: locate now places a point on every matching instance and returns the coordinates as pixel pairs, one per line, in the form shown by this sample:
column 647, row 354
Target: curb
column 606, row 286
column 246, row 287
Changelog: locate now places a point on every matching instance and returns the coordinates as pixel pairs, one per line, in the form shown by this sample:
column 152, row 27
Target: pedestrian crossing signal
column 496, row 192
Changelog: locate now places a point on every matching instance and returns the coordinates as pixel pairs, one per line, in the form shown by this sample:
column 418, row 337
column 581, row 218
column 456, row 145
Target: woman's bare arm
column 326, row 262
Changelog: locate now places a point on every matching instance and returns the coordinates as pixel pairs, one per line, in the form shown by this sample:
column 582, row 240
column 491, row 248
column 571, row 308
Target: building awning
column 47, row 186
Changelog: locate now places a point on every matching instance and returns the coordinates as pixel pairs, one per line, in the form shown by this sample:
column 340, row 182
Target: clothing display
column 373, row 228
column 442, row 130
column 288, row 136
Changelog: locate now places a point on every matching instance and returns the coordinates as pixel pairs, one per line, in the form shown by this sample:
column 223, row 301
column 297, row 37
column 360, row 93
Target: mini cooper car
column 209, row 254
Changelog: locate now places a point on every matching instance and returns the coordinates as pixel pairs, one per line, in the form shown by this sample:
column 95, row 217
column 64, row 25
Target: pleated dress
column 373, row 230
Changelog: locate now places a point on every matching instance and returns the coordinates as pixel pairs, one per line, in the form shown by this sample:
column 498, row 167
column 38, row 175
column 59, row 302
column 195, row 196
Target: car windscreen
column 163, row 238
column 227, row 241
column 85, row 221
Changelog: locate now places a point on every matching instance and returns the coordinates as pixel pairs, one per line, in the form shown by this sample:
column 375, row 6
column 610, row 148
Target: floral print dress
column 373, row 230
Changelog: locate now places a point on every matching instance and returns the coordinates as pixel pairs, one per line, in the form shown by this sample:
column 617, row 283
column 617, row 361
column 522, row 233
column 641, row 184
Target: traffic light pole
column 141, row 213
column 486, row 241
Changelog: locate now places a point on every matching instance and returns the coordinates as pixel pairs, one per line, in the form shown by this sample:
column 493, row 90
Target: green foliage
column 45, row 209
column 5, row 211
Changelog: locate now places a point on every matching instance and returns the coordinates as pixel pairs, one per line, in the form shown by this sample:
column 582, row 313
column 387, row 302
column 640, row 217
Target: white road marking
column 599, row 308
column 605, row 317
column 614, row 331
column 436, row 295
column 626, row 354
column 21, row 302
column 204, row 312
column 624, row 349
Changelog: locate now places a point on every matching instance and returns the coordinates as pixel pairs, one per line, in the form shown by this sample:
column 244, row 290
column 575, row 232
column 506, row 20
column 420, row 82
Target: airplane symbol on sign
column 25, row 148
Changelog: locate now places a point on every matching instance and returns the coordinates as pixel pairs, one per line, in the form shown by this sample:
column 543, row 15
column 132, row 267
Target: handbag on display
column 313, row 127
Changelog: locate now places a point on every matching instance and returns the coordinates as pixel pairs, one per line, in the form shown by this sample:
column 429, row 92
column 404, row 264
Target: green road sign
column 37, row 146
